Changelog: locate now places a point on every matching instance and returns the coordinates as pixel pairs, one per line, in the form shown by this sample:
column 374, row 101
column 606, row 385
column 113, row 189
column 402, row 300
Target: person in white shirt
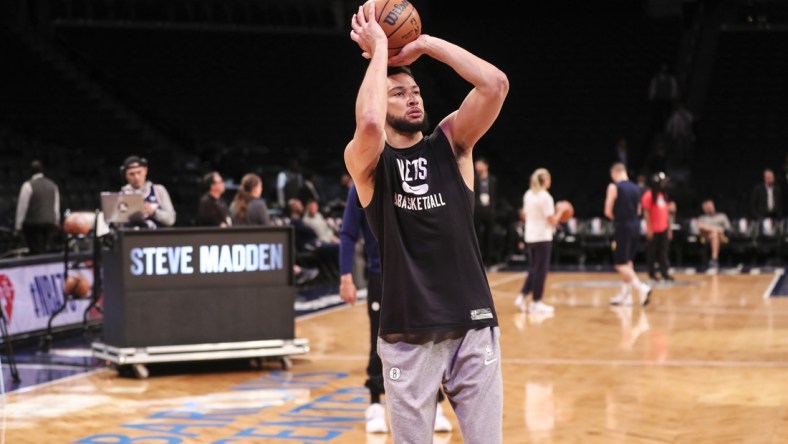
column 314, row 219
column 542, row 215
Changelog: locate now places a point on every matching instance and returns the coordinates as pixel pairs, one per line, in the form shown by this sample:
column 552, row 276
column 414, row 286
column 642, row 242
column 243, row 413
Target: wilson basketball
column 399, row 20
column 79, row 222
column 77, row 286
column 568, row 214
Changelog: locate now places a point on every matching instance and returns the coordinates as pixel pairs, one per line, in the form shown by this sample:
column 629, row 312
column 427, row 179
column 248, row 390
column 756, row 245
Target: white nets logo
column 413, row 171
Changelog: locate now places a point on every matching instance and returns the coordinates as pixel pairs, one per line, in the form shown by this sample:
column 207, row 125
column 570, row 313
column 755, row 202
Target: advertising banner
column 30, row 294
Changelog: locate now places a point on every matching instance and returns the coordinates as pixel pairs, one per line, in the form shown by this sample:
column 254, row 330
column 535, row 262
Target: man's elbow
column 499, row 84
column 369, row 125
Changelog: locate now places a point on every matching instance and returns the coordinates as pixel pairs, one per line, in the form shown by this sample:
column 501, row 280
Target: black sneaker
column 306, row 275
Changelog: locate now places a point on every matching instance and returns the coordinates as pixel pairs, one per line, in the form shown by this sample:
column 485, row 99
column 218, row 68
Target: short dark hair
column 393, row 70
column 207, row 179
column 36, row 166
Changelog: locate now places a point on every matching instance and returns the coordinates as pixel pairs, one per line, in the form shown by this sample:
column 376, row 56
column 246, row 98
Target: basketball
column 77, row 286
column 399, row 20
column 568, row 214
column 79, row 222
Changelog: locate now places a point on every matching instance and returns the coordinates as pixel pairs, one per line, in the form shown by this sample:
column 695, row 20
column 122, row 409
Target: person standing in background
column 622, row 206
column 766, row 199
column 38, row 210
column 486, row 191
column 541, row 217
column 657, row 210
column 289, row 183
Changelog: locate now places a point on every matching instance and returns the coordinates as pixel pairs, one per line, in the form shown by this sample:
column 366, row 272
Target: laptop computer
column 118, row 208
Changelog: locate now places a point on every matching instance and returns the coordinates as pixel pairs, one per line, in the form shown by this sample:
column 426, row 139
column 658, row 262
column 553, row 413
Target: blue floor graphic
column 781, row 287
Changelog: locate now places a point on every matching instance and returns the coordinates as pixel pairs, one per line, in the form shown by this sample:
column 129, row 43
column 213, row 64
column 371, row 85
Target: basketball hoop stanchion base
column 135, row 358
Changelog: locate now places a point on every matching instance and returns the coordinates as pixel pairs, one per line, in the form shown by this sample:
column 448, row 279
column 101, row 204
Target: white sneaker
column 540, row 307
column 644, row 291
column 519, row 301
column 442, row 423
column 376, row 419
column 623, row 299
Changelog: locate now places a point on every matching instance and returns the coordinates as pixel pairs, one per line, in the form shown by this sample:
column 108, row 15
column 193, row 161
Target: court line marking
column 325, row 311
column 35, row 387
column 633, row 363
column 777, row 274
column 596, row 362
column 65, row 367
column 507, row 279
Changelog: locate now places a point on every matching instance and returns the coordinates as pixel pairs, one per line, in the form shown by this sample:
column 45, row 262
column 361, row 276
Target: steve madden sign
column 195, row 258
column 235, row 258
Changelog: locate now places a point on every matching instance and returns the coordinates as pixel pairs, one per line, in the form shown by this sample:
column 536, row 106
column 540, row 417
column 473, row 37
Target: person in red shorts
column 657, row 211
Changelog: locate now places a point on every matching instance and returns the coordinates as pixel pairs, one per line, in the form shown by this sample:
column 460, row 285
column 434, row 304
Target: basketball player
column 355, row 228
column 622, row 206
column 158, row 210
column 437, row 320
column 542, row 215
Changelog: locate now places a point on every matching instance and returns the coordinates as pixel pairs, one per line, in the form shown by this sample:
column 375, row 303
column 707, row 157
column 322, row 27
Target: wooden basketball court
column 706, row 362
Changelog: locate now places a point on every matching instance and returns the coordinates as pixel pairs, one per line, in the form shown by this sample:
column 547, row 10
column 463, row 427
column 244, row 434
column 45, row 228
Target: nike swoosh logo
column 490, row 361
column 417, row 190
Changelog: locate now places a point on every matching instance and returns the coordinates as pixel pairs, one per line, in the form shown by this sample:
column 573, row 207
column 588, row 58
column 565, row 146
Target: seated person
column 248, row 207
column 158, row 210
column 212, row 210
column 321, row 254
column 713, row 227
column 314, row 219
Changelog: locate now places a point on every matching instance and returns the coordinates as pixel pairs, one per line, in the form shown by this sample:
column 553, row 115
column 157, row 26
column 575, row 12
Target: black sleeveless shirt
column 422, row 215
column 625, row 208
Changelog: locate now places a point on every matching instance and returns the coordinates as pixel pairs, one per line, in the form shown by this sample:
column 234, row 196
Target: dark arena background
column 239, row 334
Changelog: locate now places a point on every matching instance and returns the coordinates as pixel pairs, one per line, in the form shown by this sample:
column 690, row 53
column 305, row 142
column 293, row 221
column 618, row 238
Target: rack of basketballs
column 79, row 229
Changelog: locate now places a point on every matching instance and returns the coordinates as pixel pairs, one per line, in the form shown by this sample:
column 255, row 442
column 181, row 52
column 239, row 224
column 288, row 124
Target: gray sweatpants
column 469, row 369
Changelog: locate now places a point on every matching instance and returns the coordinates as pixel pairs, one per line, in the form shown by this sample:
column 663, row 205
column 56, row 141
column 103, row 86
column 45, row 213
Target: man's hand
column 410, row 52
column 149, row 209
column 347, row 289
column 366, row 31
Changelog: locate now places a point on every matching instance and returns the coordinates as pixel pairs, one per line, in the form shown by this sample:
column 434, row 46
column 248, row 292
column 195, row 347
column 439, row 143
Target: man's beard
column 405, row 126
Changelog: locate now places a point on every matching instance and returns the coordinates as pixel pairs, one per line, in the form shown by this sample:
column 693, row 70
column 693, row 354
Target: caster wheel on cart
column 287, row 363
column 140, row 371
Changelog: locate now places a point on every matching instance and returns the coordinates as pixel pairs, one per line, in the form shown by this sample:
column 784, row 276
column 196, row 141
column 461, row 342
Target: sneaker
column 644, row 291
column 540, row 307
column 714, row 264
column 306, row 275
column 442, row 423
column 622, row 299
column 376, row 419
column 519, row 301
